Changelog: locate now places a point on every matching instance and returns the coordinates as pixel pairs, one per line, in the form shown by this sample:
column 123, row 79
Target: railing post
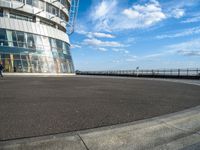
column 198, row 73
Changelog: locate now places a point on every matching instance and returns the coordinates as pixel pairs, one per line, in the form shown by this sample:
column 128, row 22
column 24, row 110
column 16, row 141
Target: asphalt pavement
column 35, row 106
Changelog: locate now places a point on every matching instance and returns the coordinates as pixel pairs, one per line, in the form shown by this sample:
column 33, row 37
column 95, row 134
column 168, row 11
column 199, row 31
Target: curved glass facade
column 33, row 36
column 31, row 53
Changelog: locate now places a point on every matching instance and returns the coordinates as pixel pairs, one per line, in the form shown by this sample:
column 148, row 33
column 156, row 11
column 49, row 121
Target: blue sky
column 124, row 34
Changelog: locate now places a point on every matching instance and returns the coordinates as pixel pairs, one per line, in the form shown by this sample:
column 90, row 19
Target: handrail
column 183, row 72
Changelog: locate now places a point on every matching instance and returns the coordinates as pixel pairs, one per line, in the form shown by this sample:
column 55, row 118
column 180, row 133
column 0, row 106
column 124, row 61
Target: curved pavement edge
column 180, row 130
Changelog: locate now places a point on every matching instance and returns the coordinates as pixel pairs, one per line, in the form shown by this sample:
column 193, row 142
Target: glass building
column 33, row 36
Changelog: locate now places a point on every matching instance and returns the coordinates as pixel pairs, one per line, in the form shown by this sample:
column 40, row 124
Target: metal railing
column 162, row 73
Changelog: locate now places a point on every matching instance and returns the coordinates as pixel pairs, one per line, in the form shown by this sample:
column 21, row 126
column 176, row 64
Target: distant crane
column 72, row 16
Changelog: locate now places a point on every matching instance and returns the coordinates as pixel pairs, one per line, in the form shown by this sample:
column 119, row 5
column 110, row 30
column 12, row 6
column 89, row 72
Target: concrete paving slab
column 126, row 138
column 191, row 142
column 192, row 118
column 56, row 142
column 153, row 133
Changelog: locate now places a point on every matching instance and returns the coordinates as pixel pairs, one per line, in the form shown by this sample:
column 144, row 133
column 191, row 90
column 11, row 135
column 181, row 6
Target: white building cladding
column 33, row 36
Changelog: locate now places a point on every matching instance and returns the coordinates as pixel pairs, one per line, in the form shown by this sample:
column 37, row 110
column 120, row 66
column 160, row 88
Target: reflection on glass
column 9, row 37
column 3, row 38
column 21, row 39
column 33, row 53
column 38, row 41
column 30, row 41
column 14, row 38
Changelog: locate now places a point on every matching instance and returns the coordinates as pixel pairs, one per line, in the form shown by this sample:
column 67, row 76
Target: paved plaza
column 35, row 106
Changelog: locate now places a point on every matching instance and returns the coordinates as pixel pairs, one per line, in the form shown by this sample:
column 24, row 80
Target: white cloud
column 191, row 31
column 177, row 9
column 75, row 46
column 192, row 19
column 83, row 32
column 101, row 35
column 155, row 55
column 102, row 49
column 177, row 13
column 111, row 15
column 189, row 48
column 108, row 15
column 120, row 50
column 99, row 43
column 102, row 13
column 144, row 15
column 189, row 52
column 104, row 8
column 95, row 34
column 171, row 4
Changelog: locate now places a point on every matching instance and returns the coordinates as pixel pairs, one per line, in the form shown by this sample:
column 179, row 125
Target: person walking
column 1, row 70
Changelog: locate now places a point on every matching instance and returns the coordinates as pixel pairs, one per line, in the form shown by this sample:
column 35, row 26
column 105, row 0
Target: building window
column 63, row 16
column 14, row 37
column 1, row 12
column 9, row 37
column 42, row 5
column 29, row 2
column 42, row 21
column 53, row 43
column 3, row 38
column 66, row 49
column 35, row 3
column 38, row 42
column 22, row 1
column 59, row 45
column 51, row 9
column 21, row 17
column 64, row 2
column 30, row 41
column 21, row 39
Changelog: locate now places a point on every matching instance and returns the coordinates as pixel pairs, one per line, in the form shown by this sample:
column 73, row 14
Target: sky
column 125, row 34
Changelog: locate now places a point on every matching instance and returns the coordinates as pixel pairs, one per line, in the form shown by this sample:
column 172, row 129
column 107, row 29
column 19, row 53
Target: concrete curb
column 38, row 74
column 172, row 131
